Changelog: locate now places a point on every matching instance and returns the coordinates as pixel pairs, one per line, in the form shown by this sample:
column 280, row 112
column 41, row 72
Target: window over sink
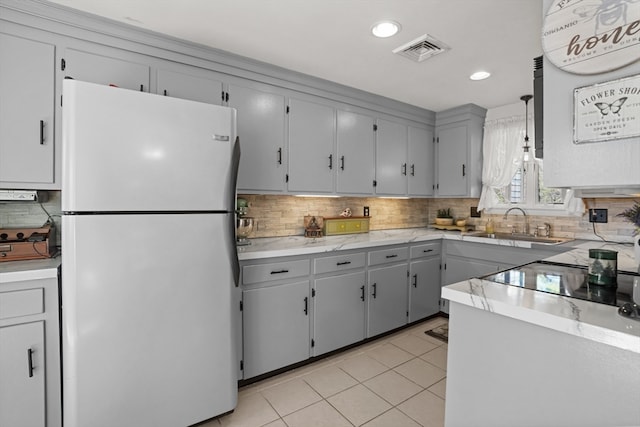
column 510, row 179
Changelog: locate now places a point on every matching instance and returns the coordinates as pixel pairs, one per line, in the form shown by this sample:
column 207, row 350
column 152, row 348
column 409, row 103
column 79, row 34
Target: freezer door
column 124, row 150
column 147, row 320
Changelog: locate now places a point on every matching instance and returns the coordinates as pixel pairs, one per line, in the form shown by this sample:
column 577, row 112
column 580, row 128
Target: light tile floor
column 395, row 381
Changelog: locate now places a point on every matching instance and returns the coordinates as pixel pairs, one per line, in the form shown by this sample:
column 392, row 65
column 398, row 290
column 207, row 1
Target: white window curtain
column 502, row 156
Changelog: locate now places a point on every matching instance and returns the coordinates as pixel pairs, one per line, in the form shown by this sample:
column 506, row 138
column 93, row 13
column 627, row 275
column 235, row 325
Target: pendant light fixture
column 526, row 99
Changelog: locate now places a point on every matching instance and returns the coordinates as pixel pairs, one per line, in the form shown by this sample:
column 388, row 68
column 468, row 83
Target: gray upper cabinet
column 391, row 158
column 355, row 153
column 404, row 159
column 452, row 161
column 459, row 133
column 420, row 162
column 261, row 129
column 190, row 83
column 26, row 113
column 312, row 161
column 108, row 70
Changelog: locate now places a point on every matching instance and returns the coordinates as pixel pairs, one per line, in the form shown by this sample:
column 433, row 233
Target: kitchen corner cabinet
column 261, row 130
column 276, row 309
column 339, row 300
column 29, row 354
column 189, row 83
column 404, row 159
column 464, row 260
column 459, row 133
column 26, row 113
column 312, row 162
column 355, row 153
column 424, row 280
column 114, row 67
column 387, row 290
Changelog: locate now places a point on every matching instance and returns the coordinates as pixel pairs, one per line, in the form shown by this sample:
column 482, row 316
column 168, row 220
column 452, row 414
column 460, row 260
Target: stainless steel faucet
column 525, row 229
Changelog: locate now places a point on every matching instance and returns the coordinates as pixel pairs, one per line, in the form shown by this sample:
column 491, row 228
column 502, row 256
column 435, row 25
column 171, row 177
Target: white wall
column 608, row 163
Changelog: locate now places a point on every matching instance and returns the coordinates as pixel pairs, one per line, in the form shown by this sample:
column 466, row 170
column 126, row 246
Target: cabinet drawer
column 427, row 249
column 338, row 263
column 275, row 271
column 21, row 303
column 388, row 255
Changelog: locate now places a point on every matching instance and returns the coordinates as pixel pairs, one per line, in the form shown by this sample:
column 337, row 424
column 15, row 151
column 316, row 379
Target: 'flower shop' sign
column 592, row 36
column 607, row 110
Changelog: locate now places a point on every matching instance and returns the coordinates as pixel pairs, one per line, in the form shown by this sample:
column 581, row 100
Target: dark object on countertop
column 630, row 310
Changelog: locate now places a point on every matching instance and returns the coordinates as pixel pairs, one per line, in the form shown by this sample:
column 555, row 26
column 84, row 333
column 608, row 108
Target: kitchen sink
column 521, row 237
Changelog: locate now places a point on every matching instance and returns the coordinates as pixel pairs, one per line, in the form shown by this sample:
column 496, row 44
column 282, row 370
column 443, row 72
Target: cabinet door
column 387, row 298
column 459, row 269
column 391, row 158
column 355, row 148
column 26, row 111
column 452, row 161
column 22, row 392
column 188, row 86
column 276, row 327
column 420, row 158
column 261, row 129
column 424, row 288
column 339, row 315
column 106, row 70
column 311, row 156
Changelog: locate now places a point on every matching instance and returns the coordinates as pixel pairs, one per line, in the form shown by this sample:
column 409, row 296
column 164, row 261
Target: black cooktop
column 566, row 280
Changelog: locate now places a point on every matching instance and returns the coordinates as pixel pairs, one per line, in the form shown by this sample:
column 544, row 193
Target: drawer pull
column 306, row 306
column 392, row 256
column 362, row 295
column 30, row 362
column 427, row 250
column 279, row 271
column 374, row 291
column 279, row 161
column 343, row 263
column 415, row 281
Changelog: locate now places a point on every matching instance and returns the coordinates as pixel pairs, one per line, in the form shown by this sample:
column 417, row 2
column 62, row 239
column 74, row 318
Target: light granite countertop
column 298, row 245
column 593, row 321
column 18, row 271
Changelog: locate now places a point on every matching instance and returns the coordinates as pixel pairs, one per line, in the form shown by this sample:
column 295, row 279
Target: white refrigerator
column 149, row 264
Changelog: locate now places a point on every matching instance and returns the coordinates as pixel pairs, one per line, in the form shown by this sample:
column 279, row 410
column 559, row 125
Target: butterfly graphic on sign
column 613, row 108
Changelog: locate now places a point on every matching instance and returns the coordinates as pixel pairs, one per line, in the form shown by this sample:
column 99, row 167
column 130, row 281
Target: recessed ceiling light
column 385, row 28
column 479, row 75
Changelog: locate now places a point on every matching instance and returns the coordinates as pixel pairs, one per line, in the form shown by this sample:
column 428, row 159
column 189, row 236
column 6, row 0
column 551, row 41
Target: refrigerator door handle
column 233, row 252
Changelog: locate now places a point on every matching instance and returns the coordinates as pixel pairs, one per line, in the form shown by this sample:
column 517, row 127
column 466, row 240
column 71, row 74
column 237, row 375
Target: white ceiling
column 331, row 39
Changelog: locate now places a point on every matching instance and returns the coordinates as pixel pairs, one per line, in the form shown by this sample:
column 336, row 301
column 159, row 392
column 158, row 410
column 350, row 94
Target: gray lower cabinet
column 29, row 354
column 388, row 289
column 339, row 311
column 22, row 369
column 26, row 112
column 424, row 281
column 275, row 326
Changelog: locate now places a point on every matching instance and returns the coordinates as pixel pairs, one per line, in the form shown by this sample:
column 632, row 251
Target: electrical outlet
column 474, row 212
column 598, row 215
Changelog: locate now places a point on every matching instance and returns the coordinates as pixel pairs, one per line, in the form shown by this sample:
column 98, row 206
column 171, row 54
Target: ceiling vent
column 422, row 48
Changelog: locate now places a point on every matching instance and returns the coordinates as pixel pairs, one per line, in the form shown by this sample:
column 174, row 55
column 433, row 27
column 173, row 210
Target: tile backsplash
column 277, row 215
column 283, row 215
